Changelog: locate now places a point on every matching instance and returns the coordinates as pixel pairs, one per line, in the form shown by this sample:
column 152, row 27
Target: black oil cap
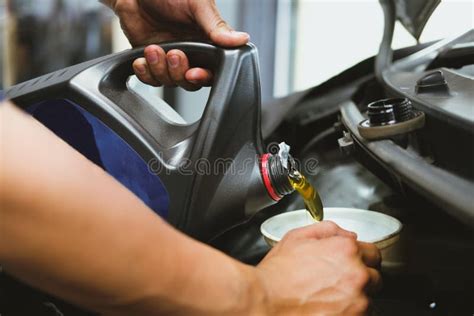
column 389, row 111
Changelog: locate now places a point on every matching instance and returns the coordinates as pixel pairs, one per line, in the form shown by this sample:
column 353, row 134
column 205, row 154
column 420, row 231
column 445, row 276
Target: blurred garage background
column 302, row 43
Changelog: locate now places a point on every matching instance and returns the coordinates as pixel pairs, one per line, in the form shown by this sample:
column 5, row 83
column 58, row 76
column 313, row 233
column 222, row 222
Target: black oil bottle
column 158, row 160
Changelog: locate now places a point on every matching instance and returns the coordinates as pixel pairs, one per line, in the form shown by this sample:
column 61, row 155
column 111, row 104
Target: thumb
column 324, row 229
column 216, row 29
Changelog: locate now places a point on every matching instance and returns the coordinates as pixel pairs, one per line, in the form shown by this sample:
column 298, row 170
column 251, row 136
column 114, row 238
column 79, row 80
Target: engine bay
column 422, row 177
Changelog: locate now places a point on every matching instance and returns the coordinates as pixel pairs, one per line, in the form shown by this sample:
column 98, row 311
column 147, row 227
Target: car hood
column 414, row 14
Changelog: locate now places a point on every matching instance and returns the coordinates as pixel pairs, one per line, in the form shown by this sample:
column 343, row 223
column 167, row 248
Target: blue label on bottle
column 104, row 147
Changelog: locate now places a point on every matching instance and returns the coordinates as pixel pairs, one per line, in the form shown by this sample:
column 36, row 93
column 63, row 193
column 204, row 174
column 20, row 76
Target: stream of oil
column 311, row 198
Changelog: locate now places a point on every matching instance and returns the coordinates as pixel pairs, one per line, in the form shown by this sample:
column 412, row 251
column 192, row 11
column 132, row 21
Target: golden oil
column 311, row 198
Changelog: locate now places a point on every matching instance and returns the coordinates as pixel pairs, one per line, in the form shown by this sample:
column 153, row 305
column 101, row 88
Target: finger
column 199, row 76
column 156, row 59
column 208, row 17
column 375, row 281
column 142, row 71
column 178, row 65
column 341, row 231
column 324, row 229
column 370, row 254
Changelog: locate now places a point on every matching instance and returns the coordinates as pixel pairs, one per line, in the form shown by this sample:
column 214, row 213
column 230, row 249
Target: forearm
column 70, row 229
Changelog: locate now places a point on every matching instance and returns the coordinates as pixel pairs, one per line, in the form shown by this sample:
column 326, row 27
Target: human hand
column 320, row 269
column 153, row 21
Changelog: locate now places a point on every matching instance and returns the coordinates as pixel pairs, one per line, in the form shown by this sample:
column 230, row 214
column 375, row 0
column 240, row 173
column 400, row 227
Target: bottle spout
column 275, row 171
column 282, row 177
